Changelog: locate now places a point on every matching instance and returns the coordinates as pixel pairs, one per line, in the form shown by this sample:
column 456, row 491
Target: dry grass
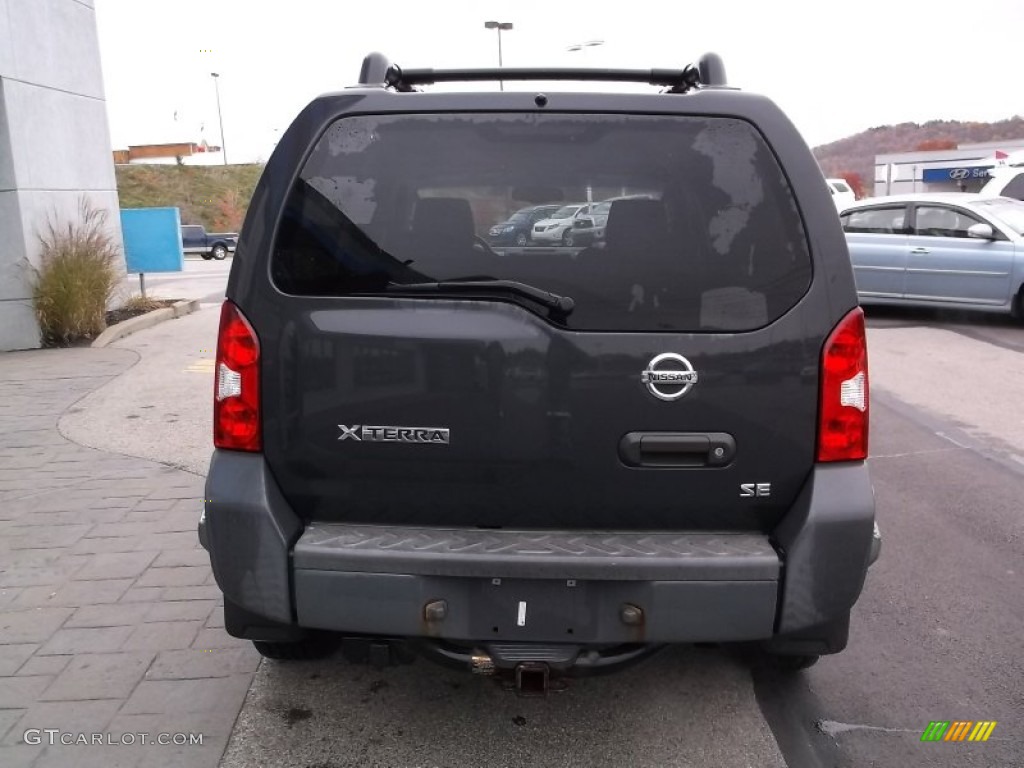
column 138, row 304
column 77, row 278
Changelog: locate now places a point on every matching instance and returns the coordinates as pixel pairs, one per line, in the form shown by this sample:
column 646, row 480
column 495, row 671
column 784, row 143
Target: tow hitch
column 532, row 678
column 533, row 669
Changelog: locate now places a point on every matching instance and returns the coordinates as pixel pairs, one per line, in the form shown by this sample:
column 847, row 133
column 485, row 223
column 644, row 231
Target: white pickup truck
column 842, row 194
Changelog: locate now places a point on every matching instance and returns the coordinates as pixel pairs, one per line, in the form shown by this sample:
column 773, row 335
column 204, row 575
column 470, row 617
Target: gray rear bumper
column 539, row 586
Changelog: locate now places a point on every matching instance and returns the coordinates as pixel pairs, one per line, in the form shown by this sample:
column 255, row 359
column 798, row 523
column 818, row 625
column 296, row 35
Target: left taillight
column 237, row 424
column 843, row 409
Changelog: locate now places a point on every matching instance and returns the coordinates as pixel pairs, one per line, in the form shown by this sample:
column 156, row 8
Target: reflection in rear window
column 565, row 213
column 702, row 230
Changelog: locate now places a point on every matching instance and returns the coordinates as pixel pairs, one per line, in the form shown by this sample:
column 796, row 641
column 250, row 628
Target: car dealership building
column 54, row 144
column 945, row 170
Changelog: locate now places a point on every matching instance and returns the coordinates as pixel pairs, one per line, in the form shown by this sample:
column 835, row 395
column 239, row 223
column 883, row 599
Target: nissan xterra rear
column 540, row 461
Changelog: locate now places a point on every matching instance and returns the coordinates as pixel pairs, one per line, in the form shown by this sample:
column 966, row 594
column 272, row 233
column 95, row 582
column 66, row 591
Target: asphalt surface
column 937, row 634
column 688, row 707
column 203, row 280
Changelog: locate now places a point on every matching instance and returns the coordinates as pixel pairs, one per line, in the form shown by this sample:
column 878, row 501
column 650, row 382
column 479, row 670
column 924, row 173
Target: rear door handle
column 920, row 250
column 677, row 449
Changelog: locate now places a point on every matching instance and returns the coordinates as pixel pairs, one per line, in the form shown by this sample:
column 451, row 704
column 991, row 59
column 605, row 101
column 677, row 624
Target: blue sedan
column 956, row 250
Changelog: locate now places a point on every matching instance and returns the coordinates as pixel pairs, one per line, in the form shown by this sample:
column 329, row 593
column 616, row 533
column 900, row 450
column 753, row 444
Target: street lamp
column 220, row 118
column 500, row 26
column 588, row 44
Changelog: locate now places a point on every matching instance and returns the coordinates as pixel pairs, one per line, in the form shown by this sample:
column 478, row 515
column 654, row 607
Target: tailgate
column 489, row 416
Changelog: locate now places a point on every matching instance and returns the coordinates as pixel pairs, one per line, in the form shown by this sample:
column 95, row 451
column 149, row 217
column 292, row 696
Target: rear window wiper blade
column 563, row 305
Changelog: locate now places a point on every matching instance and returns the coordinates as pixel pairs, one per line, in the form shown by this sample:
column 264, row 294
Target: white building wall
column 54, row 142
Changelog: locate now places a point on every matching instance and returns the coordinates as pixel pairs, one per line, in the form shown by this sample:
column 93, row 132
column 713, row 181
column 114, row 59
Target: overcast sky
column 835, row 68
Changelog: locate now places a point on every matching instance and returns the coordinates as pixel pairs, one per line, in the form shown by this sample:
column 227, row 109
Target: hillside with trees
column 215, row 196
column 853, row 158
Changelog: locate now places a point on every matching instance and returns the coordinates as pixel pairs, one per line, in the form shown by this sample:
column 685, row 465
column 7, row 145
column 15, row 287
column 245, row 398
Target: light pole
column 220, row 118
column 500, row 26
column 583, row 46
column 588, row 44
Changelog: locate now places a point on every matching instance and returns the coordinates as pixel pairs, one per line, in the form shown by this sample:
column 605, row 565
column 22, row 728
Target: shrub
column 77, row 277
column 138, row 304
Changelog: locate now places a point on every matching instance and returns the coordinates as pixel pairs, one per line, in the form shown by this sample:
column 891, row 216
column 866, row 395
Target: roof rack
column 377, row 70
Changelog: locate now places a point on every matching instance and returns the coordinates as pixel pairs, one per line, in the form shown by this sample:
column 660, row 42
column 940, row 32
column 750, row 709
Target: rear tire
column 317, row 645
column 1017, row 311
column 219, row 252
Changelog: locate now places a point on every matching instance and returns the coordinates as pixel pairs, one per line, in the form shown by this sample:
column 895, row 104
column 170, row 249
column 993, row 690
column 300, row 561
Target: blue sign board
column 963, row 173
column 152, row 239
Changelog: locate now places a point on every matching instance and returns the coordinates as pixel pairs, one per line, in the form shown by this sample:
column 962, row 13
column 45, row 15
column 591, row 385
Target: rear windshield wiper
column 562, row 305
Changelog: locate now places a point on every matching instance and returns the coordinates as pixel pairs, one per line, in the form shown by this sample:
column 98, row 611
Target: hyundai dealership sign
column 961, row 173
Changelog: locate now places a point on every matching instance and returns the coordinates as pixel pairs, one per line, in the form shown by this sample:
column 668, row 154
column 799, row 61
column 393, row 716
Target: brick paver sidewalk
column 110, row 621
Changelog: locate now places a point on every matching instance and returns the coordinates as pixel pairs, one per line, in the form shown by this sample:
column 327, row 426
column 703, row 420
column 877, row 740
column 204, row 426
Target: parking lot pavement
column 162, row 409
column 936, row 634
column 203, row 280
column 109, row 618
column 952, row 375
column 685, row 707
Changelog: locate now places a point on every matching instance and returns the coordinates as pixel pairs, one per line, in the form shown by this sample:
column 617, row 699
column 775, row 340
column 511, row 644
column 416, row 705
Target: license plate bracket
column 531, row 609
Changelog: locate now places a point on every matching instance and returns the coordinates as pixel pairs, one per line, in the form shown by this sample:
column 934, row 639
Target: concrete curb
column 148, row 320
column 182, row 308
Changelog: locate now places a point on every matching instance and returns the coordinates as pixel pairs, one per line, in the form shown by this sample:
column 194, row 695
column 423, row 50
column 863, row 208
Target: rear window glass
column 702, row 230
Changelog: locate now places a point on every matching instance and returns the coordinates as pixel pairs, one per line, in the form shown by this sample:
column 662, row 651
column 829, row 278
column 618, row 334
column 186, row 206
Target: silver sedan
column 960, row 250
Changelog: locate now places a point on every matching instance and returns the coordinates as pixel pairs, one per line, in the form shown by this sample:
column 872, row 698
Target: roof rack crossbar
column 379, row 71
column 397, row 76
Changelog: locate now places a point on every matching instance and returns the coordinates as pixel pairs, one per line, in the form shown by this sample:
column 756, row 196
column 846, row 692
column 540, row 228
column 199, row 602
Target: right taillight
column 843, row 410
column 236, row 395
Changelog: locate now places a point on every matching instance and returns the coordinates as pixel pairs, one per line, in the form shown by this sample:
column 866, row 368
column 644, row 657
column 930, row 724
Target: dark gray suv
column 536, row 463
